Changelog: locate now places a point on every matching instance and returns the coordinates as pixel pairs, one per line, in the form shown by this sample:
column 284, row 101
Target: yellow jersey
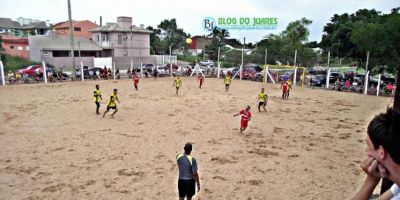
column 112, row 100
column 262, row 97
column 178, row 82
column 227, row 80
column 97, row 95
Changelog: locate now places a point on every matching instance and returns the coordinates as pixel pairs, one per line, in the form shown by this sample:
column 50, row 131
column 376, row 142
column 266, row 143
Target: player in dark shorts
column 112, row 103
column 97, row 98
column 188, row 176
column 262, row 99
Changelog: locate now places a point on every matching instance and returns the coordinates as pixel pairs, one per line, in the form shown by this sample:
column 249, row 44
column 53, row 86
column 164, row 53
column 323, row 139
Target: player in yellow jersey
column 97, row 98
column 262, row 100
column 112, row 104
column 227, row 81
column 177, row 84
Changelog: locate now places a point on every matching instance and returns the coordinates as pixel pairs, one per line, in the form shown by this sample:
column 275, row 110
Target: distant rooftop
column 56, row 43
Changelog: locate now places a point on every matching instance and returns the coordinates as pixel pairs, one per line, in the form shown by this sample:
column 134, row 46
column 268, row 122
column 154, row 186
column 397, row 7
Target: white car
column 206, row 62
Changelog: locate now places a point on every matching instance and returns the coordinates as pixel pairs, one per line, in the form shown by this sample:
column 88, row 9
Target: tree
column 154, row 40
column 218, row 40
column 170, row 35
column 2, row 55
column 382, row 38
column 281, row 47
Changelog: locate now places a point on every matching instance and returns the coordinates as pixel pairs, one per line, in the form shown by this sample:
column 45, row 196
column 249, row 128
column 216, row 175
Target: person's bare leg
column 115, row 111
column 181, row 198
column 105, row 112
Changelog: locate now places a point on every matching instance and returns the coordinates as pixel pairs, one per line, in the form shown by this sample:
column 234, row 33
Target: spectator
column 17, row 77
column 129, row 73
column 25, row 77
column 11, row 77
column 383, row 155
column 117, row 73
column 389, row 88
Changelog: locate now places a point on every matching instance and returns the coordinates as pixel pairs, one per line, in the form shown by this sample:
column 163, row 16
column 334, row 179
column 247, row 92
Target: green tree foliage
column 218, row 39
column 351, row 36
column 171, row 35
column 2, row 55
column 281, row 47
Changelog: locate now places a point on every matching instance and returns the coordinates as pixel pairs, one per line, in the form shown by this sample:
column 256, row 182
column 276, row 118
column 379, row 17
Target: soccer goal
column 277, row 73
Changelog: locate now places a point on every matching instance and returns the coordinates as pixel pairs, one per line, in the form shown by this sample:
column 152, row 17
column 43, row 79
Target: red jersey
column 284, row 86
column 246, row 115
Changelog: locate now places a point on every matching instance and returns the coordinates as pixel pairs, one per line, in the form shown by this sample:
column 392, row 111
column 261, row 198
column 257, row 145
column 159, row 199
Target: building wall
column 65, row 62
column 123, row 45
column 16, row 47
column 84, row 26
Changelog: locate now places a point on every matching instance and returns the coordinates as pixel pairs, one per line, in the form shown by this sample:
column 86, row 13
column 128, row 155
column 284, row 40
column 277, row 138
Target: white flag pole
column 82, row 76
column 3, row 81
column 44, row 71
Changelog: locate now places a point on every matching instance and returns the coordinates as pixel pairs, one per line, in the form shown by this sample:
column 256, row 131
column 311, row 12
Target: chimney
column 124, row 21
column 101, row 21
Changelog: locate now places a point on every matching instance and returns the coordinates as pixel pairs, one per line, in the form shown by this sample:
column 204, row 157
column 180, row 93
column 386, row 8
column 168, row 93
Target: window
column 20, row 48
column 98, row 38
column 104, row 38
column 11, row 47
column 119, row 39
column 77, row 28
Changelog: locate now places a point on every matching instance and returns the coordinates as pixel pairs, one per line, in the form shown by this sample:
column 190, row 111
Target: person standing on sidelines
column 188, row 175
column 262, row 100
column 246, row 117
column 112, row 103
column 136, row 80
column 177, row 83
column 227, row 81
column 201, row 80
column 97, row 98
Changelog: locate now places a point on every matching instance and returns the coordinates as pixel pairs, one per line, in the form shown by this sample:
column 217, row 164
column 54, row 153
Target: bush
column 14, row 63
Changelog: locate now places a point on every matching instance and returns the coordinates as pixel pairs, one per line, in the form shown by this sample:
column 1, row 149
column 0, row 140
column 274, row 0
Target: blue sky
column 190, row 13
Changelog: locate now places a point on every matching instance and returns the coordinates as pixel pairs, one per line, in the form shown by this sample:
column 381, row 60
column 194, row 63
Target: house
column 123, row 39
column 13, row 28
column 81, row 28
column 9, row 27
column 199, row 42
column 56, row 50
column 16, row 46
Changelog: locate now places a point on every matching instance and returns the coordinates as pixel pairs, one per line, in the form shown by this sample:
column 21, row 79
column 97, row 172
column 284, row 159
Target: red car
column 248, row 73
column 30, row 70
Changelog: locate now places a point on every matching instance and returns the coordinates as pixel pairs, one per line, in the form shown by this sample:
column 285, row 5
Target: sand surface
column 54, row 146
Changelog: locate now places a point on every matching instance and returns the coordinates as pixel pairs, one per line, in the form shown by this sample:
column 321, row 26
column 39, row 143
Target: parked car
column 259, row 77
column 88, row 72
column 30, row 70
column 56, row 74
column 319, row 80
column 249, row 72
column 334, row 76
column 148, row 67
column 206, row 62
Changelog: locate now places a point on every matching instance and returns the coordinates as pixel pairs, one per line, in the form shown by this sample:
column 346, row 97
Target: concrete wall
column 65, row 62
column 140, row 45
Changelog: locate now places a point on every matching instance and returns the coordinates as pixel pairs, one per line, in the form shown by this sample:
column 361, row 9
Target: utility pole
column 266, row 56
column 71, row 38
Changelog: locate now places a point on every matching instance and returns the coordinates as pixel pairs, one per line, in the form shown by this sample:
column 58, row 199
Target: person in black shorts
column 112, row 103
column 188, row 176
